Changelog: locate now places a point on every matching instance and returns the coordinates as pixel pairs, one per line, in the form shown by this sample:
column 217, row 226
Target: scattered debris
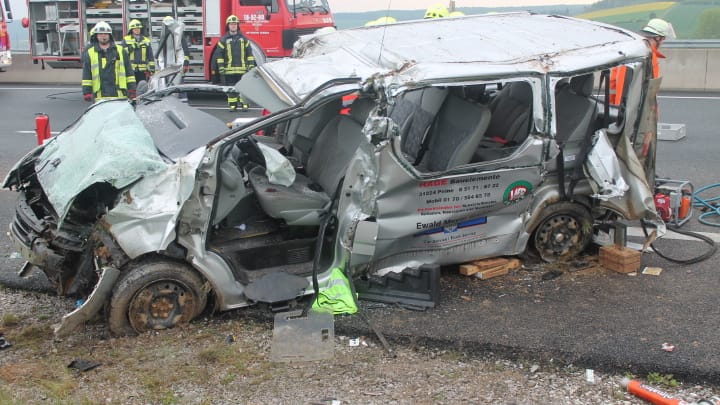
column 590, row 376
column 83, row 365
column 229, row 339
column 4, row 344
column 620, row 259
column 579, row 265
column 668, row 347
column 15, row 255
column 466, row 298
column 358, row 341
column 534, row 368
column 653, row 271
column 552, row 274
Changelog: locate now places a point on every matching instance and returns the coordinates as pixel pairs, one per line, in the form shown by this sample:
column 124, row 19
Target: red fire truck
column 59, row 28
column 5, row 54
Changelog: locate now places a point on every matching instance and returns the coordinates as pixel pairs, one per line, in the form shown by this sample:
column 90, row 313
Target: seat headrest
column 521, row 91
column 360, row 109
column 582, row 85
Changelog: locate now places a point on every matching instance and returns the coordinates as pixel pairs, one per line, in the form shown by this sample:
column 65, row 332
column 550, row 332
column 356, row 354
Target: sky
column 345, row 6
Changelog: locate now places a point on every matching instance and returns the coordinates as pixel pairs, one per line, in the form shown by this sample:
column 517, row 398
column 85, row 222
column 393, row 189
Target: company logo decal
column 516, row 192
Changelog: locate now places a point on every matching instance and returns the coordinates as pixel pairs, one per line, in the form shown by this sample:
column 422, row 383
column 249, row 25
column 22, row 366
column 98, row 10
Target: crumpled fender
column 92, row 305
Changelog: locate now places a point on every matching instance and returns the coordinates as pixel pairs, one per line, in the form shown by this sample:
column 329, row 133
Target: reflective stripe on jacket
column 234, row 55
column 140, row 52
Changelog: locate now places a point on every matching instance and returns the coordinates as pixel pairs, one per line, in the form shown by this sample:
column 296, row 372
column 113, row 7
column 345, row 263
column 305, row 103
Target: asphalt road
column 593, row 317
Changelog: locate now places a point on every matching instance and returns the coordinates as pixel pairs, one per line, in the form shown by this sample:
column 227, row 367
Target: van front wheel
column 564, row 231
column 155, row 295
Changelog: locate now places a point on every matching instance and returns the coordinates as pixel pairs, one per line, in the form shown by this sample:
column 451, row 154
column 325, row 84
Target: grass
column 10, row 320
column 645, row 8
column 665, row 380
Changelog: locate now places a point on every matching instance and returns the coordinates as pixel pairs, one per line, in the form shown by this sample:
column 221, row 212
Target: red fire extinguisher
column 42, row 127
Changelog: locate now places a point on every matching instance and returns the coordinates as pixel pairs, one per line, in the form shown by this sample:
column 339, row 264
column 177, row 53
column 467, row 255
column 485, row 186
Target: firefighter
column 140, row 51
column 106, row 69
column 436, row 11
column 234, row 58
column 656, row 31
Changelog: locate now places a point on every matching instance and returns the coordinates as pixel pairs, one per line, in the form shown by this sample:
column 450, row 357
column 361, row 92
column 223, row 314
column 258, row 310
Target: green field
column 683, row 15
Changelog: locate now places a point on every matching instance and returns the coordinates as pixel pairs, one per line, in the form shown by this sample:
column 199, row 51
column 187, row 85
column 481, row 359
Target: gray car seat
column 415, row 113
column 576, row 113
column 510, row 124
column 304, row 202
column 455, row 134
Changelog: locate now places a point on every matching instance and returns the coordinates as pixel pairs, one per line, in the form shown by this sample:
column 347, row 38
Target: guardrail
column 690, row 65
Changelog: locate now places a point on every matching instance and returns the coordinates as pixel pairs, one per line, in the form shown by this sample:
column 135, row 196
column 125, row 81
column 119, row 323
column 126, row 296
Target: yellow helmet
column 232, row 19
column 135, row 24
column 168, row 20
column 436, row 11
column 456, row 14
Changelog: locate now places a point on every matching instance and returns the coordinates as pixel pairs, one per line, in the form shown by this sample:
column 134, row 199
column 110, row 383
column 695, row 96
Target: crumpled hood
column 108, row 144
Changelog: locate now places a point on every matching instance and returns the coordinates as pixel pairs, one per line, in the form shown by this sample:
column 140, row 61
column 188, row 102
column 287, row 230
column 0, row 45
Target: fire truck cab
column 59, row 29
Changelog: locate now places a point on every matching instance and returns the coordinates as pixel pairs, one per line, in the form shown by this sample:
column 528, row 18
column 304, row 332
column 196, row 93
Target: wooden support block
column 620, row 259
column 468, row 269
column 488, row 263
column 500, row 270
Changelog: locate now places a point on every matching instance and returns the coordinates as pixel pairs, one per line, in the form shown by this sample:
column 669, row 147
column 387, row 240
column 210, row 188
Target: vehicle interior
column 261, row 227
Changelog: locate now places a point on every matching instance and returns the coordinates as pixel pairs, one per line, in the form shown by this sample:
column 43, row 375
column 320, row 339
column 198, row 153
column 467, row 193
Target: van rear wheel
column 564, row 231
column 155, row 295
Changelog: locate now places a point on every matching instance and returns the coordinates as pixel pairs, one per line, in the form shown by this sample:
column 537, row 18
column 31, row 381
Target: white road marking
column 690, row 97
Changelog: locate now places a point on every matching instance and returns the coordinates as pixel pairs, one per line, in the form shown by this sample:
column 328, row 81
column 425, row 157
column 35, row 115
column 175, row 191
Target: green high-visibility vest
column 337, row 295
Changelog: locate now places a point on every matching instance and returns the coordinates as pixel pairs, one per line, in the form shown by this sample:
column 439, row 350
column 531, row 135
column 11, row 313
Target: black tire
column 155, row 295
column 564, row 231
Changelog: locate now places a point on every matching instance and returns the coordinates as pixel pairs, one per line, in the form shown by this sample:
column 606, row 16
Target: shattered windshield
column 308, row 6
column 108, row 144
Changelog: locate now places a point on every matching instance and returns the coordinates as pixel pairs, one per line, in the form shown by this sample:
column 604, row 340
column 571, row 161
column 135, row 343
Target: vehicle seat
column 510, row 124
column 455, row 134
column 297, row 137
column 576, row 113
column 574, row 108
column 414, row 113
column 304, row 202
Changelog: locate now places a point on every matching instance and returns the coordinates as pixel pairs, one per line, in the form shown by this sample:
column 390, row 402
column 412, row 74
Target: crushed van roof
column 451, row 48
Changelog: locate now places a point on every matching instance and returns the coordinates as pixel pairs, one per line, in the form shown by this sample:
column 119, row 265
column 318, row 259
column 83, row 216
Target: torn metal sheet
column 604, row 168
column 92, row 304
column 144, row 218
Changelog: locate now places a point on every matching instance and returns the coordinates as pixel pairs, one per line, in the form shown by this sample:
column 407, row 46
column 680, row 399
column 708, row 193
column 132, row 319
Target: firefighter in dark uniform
column 106, row 69
column 234, row 58
column 140, row 51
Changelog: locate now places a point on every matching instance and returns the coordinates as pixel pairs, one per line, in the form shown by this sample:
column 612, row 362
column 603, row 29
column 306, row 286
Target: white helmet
column 102, row 28
column 658, row 27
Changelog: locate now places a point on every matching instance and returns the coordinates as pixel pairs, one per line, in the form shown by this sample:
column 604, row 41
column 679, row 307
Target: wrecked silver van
column 389, row 149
